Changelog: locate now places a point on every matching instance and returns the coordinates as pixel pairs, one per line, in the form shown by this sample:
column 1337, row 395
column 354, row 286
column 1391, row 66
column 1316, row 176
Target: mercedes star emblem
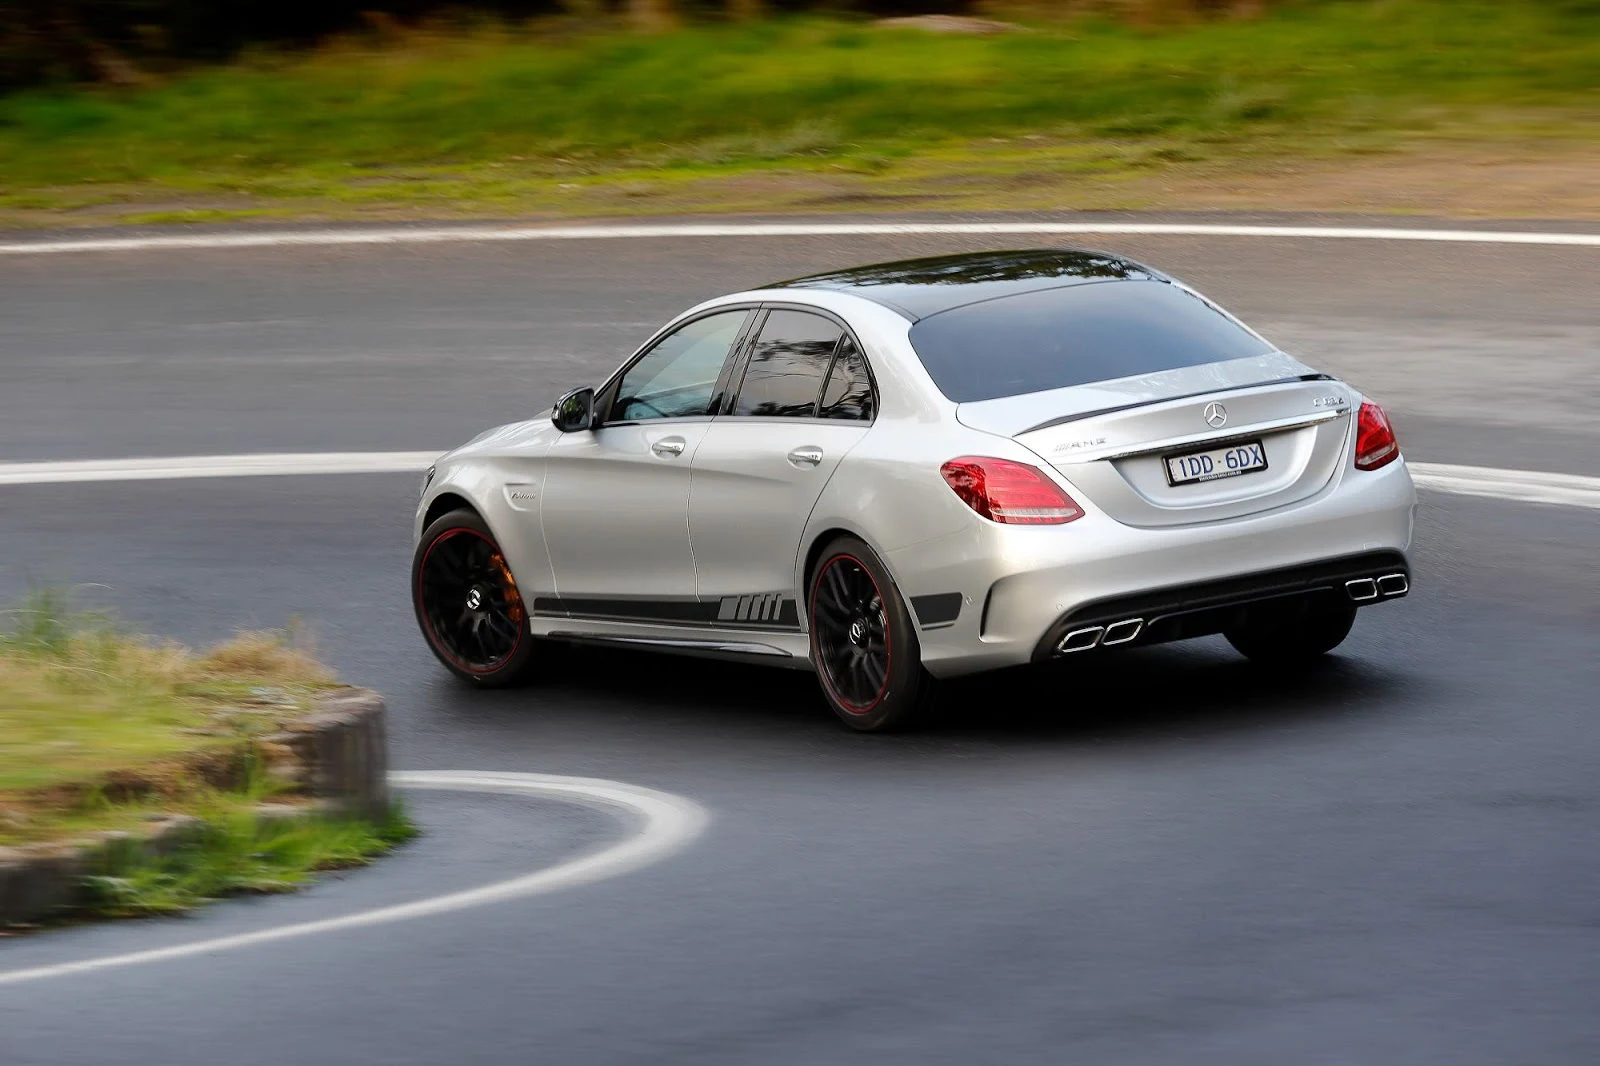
column 1216, row 415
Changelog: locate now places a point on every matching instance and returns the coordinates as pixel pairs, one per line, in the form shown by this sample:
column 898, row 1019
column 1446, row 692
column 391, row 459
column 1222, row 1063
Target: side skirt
column 703, row 647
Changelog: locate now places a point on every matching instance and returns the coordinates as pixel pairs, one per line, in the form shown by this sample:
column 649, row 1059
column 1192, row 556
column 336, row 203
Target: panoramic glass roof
column 918, row 288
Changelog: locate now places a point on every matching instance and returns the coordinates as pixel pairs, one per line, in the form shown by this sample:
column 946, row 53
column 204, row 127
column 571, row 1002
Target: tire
column 467, row 603
column 864, row 641
column 1292, row 633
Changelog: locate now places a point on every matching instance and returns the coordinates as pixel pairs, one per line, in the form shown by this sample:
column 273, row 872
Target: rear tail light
column 1375, row 443
column 1011, row 493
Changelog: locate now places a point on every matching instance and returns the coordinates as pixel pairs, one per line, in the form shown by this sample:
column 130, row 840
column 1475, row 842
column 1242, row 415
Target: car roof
column 917, row 288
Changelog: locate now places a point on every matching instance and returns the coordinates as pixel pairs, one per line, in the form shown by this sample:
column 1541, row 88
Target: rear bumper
column 1021, row 585
column 1203, row 608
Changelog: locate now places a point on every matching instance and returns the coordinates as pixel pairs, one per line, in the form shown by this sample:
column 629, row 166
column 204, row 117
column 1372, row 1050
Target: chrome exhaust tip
column 1362, row 589
column 1122, row 632
column 1394, row 585
column 1080, row 639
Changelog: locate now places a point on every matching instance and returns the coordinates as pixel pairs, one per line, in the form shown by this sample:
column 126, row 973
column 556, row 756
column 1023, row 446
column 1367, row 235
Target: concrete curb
column 336, row 756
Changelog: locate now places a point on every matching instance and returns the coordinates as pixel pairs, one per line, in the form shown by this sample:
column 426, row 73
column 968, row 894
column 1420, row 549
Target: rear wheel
column 1293, row 632
column 467, row 602
column 863, row 643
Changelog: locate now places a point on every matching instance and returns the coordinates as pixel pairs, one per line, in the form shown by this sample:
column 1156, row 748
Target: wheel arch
column 814, row 548
column 814, row 552
column 446, row 502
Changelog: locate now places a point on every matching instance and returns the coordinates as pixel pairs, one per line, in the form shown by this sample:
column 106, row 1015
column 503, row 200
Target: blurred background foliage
column 128, row 41
column 213, row 110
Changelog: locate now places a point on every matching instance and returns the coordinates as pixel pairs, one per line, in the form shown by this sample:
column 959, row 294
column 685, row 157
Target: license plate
column 1213, row 463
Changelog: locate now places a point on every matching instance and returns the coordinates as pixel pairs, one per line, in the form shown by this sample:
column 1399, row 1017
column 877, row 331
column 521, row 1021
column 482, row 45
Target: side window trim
column 732, row 382
column 833, row 363
column 866, row 364
column 747, row 346
column 607, row 393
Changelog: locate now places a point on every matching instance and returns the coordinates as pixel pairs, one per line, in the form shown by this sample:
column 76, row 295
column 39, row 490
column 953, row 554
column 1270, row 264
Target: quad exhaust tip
column 1367, row 589
column 1081, row 639
column 1123, row 631
column 1394, row 585
column 1101, row 636
column 1362, row 589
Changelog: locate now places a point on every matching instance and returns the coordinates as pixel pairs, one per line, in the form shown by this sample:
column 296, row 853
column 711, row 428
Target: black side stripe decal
column 768, row 610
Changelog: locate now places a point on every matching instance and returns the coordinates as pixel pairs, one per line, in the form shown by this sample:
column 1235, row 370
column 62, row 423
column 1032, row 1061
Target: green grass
column 506, row 121
column 238, row 853
column 99, row 730
column 80, row 698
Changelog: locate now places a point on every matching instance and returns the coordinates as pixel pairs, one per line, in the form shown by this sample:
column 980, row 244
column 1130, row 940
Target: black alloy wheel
column 467, row 602
column 863, row 641
column 852, row 633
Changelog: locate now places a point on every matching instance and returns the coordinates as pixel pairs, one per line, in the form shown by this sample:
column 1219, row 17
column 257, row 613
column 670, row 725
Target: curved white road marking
column 1521, row 486
column 453, row 234
column 667, row 823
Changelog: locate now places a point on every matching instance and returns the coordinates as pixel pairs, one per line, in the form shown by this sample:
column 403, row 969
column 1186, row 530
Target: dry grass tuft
column 90, row 712
column 283, row 656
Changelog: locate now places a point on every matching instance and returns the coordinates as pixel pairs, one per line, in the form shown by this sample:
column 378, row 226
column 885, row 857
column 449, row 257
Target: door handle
column 668, row 447
column 810, row 455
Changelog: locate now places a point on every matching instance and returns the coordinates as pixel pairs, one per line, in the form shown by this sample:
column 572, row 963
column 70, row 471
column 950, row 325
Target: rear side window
column 848, row 393
column 1074, row 335
column 787, row 366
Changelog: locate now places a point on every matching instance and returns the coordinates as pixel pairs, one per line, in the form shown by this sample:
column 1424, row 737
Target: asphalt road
column 1157, row 856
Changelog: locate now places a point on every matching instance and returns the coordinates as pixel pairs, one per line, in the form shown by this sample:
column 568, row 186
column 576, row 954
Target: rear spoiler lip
column 1169, row 399
column 1210, row 438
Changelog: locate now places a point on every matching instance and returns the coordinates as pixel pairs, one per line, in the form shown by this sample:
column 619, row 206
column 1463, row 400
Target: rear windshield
column 1074, row 335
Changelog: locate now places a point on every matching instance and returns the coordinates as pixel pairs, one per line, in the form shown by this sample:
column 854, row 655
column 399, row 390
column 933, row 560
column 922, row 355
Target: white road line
column 454, row 234
column 1522, row 486
column 668, row 823
column 188, row 466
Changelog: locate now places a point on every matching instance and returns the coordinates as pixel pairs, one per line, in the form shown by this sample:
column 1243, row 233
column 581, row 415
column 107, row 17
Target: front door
column 806, row 399
column 615, row 505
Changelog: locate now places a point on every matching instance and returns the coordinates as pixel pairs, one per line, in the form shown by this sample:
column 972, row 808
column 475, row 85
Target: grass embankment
column 1423, row 105
column 102, row 731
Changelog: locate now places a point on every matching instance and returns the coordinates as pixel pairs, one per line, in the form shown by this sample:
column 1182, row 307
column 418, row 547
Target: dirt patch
column 1441, row 179
column 1463, row 181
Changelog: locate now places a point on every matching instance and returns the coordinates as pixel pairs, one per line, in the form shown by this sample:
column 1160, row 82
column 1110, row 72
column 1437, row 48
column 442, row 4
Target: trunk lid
column 1112, row 439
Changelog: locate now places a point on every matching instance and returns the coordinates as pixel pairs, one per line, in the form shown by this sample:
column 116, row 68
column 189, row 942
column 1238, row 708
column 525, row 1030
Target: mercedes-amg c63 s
column 906, row 472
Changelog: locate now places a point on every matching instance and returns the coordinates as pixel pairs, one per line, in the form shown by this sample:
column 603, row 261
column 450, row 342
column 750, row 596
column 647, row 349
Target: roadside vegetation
column 812, row 113
column 102, row 731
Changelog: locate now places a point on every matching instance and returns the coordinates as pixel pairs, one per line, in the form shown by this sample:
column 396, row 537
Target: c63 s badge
column 522, row 497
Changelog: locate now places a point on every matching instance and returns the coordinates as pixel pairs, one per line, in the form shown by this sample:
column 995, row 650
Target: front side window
column 677, row 378
column 848, row 393
column 787, row 366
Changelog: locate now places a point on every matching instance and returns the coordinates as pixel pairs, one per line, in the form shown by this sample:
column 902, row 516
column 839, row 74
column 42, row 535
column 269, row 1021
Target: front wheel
column 467, row 602
column 863, row 642
column 1292, row 632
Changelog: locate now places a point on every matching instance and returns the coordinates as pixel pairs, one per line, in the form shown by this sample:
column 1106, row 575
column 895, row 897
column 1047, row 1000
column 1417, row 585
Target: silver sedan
column 900, row 473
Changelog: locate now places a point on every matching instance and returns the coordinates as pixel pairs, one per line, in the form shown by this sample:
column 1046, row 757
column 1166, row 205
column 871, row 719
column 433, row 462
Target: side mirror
column 574, row 411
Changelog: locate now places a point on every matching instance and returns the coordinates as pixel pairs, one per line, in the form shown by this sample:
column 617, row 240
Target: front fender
column 501, row 477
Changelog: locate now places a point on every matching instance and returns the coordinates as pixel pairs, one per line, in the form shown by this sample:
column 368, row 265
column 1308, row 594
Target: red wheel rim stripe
column 433, row 637
column 888, row 637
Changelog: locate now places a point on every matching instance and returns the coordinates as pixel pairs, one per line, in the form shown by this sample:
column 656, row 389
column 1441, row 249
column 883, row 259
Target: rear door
column 805, row 399
column 616, row 498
